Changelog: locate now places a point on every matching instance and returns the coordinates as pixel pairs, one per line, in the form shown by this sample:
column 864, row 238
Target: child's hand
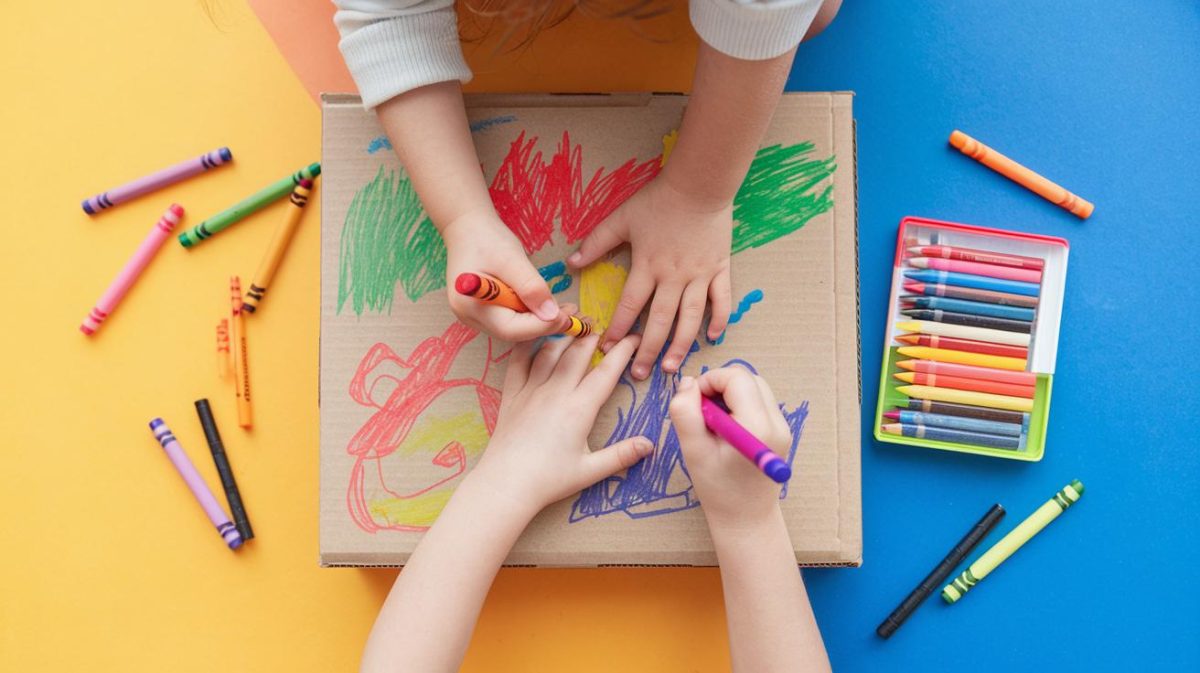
column 539, row 453
column 481, row 242
column 732, row 491
column 680, row 255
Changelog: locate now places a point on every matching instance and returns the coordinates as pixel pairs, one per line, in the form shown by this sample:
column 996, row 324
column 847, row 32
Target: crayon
column 973, row 294
column 981, row 256
column 962, row 357
column 967, row 397
column 956, row 436
column 223, row 352
column 195, row 483
column 279, row 244
column 941, row 571
column 157, row 180
column 718, row 420
column 972, row 307
column 969, row 372
column 968, row 332
column 973, row 281
column 959, row 383
column 955, row 423
column 968, row 411
column 241, row 368
column 969, row 345
column 491, row 290
column 968, row 320
column 247, row 206
column 221, row 460
column 990, row 270
column 1019, row 174
column 1041, row 517
column 132, row 269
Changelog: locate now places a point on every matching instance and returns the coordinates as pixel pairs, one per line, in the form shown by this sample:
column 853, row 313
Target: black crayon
column 953, row 318
column 969, row 411
column 232, row 495
column 939, row 574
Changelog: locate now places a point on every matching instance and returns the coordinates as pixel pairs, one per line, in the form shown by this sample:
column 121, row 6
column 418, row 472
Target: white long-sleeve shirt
column 393, row 46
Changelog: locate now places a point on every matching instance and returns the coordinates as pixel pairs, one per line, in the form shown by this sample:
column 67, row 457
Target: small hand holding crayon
column 730, row 487
column 486, row 247
column 538, row 453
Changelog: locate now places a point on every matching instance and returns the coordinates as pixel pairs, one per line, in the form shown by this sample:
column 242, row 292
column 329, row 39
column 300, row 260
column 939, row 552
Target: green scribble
column 388, row 238
column 775, row 198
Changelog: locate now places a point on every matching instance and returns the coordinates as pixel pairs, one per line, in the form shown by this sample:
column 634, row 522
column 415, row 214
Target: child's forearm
column 730, row 108
column 427, row 619
column 771, row 624
column 429, row 131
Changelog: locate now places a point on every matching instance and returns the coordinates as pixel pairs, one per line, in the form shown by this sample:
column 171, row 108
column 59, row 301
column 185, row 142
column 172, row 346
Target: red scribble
column 529, row 193
column 387, row 428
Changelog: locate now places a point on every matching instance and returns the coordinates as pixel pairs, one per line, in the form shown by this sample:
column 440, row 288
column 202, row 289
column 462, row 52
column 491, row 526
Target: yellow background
column 107, row 562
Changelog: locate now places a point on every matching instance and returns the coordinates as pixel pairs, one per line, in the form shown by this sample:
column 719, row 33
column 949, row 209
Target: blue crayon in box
column 971, row 280
column 972, row 307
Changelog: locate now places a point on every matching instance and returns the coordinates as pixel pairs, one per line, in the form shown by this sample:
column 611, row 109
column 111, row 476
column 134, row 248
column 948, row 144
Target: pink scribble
column 427, row 366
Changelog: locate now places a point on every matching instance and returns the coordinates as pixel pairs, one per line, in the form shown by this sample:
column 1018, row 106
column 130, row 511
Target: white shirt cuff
column 750, row 30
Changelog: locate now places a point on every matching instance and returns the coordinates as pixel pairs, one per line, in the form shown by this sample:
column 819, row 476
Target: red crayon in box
column 967, row 345
column 959, row 383
column 980, row 256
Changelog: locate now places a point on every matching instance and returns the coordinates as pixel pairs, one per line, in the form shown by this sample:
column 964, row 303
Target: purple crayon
column 196, row 483
column 157, row 180
column 722, row 424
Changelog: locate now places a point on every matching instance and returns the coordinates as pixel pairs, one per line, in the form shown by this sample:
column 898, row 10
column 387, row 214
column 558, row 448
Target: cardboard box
column 408, row 394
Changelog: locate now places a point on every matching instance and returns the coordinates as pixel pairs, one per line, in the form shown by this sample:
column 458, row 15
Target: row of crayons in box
column 958, row 370
column 297, row 187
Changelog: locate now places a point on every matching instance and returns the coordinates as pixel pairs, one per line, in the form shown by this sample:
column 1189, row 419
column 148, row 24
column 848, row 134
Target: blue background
column 1103, row 97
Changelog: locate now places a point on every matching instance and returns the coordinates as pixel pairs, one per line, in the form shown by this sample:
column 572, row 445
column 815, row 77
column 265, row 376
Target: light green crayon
column 253, row 203
column 1010, row 543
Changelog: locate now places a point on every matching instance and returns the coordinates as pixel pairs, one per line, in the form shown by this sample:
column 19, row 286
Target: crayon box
column 971, row 340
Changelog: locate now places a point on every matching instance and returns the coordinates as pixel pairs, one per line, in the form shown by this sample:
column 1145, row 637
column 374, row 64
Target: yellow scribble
column 668, row 146
column 421, row 510
column 600, row 288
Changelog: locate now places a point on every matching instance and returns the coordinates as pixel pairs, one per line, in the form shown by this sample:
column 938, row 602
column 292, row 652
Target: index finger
column 741, row 394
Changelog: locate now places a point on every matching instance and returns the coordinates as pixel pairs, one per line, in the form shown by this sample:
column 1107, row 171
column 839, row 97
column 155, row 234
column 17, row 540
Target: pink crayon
column 157, row 180
column 718, row 420
column 195, row 483
column 977, row 268
column 133, row 268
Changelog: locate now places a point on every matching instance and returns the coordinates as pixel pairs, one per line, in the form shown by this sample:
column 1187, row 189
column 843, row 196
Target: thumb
column 531, row 288
column 603, row 238
column 686, row 416
column 613, row 459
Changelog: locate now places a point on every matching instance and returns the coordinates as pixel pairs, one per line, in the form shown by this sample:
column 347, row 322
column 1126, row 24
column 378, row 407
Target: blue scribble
column 383, row 143
column 485, row 124
column 659, row 483
column 556, row 270
column 379, row 143
column 752, row 297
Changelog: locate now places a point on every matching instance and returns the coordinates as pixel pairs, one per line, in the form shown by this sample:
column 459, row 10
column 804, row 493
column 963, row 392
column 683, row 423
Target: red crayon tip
column 467, row 283
column 914, row 339
column 914, row 287
column 306, row 183
column 893, row 415
column 86, row 330
column 176, row 209
column 907, row 303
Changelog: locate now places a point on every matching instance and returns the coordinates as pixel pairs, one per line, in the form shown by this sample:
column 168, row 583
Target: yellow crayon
column 279, row 244
column 989, row 400
column 576, row 327
column 1041, row 517
column 963, row 357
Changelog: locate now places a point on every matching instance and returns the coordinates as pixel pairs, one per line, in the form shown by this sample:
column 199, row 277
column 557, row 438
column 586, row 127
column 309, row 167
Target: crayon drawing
column 427, row 425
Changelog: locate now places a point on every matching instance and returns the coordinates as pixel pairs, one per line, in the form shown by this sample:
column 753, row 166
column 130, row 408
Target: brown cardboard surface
column 407, row 393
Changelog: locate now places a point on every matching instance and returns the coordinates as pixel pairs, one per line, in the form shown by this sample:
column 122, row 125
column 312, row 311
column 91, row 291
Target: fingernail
column 604, row 347
column 643, row 445
column 639, row 372
column 548, row 310
column 575, row 257
column 671, row 364
column 686, row 383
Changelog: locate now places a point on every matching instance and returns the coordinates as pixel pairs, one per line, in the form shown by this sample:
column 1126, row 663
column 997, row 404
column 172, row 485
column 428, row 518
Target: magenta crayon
column 722, row 424
column 133, row 268
column 157, row 180
column 196, row 484
column 978, row 268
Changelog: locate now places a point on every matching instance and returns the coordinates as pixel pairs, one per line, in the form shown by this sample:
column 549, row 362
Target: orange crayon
column 495, row 291
column 223, row 353
column 1014, row 171
column 241, row 372
column 959, row 383
column 969, row 372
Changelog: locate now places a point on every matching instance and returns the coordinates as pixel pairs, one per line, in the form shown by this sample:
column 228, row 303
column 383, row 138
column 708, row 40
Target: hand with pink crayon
column 771, row 624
